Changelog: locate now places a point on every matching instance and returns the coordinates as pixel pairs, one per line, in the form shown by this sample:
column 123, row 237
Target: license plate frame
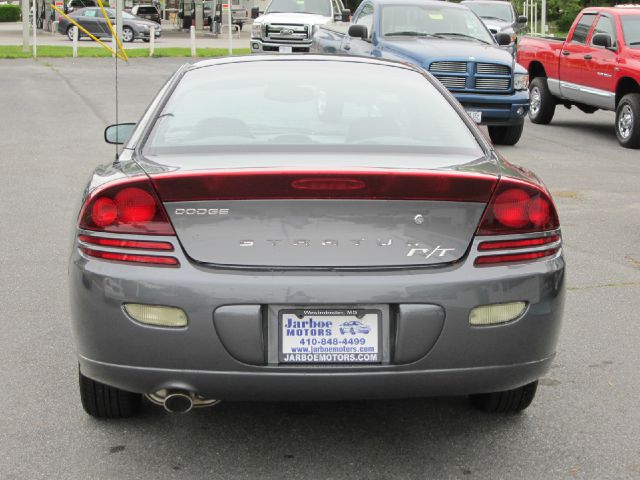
column 475, row 115
column 343, row 346
column 285, row 49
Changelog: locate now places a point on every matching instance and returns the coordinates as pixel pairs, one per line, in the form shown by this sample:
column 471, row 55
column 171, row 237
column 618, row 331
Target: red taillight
column 131, row 258
column 130, row 207
column 515, row 244
column 518, row 207
column 513, row 257
column 118, row 243
column 328, row 184
column 378, row 184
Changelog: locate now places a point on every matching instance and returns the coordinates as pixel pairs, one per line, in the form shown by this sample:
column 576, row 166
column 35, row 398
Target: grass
column 51, row 51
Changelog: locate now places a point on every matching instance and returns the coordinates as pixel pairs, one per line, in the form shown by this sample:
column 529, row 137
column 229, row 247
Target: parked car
column 93, row 20
column 148, row 12
column 500, row 16
column 287, row 25
column 243, row 229
column 596, row 67
column 449, row 41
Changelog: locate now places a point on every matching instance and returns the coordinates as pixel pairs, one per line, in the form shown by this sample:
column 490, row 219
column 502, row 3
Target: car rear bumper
column 449, row 358
column 497, row 109
column 306, row 386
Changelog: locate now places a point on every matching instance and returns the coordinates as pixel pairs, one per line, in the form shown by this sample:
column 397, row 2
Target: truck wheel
column 542, row 105
column 102, row 401
column 628, row 121
column 509, row 401
column 505, row 135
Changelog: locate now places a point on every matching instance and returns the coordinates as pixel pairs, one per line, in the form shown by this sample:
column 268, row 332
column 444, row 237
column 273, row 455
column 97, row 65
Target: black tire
column 128, row 37
column 146, row 40
column 543, row 103
column 70, row 32
column 509, row 401
column 628, row 121
column 102, row 401
column 505, row 134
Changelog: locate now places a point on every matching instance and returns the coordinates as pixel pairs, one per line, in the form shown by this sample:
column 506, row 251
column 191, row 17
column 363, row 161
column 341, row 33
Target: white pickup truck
column 287, row 26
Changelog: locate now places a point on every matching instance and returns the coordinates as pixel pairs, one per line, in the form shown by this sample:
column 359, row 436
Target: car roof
column 299, row 57
column 617, row 10
column 440, row 3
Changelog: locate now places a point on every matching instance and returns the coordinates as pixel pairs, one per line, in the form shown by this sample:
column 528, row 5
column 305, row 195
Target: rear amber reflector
column 513, row 257
column 118, row 243
column 131, row 258
column 156, row 315
column 509, row 244
column 496, row 314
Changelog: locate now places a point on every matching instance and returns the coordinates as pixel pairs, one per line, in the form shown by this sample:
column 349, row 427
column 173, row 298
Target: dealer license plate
column 330, row 335
column 285, row 49
column 475, row 115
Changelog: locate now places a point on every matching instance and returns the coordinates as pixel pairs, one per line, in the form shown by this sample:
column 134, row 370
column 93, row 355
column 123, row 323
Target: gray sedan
column 256, row 208
column 94, row 22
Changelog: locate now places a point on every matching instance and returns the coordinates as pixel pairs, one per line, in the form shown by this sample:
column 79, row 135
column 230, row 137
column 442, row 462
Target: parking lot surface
column 584, row 422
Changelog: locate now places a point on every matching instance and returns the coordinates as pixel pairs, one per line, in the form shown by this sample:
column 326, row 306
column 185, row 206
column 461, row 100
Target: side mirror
column 523, row 19
column 346, row 15
column 602, row 40
column 358, row 31
column 118, row 134
column 255, row 12
column 503, row 39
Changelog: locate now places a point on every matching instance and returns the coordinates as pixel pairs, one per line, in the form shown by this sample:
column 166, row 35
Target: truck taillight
column 130, row 207
column 515, row 208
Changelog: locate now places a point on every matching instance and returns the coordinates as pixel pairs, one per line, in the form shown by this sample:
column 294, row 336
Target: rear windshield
column 631, row 30
column 312, row 103
column 147, row 10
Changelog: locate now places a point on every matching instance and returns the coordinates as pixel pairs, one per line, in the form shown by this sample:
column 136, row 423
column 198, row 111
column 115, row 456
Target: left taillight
column 127, row 208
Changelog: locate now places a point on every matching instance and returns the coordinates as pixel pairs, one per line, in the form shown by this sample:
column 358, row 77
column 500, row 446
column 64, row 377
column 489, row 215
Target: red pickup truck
column 596, row 67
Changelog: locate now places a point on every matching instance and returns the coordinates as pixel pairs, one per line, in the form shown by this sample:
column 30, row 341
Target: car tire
column 628, row 121
column 542, row 104
column 102, row 401
column 146, row 40
column 505, row 134
column 70, row 32
column 508, row 401
column 128, row 35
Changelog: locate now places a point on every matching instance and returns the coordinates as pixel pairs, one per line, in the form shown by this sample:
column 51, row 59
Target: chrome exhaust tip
column 178, row 402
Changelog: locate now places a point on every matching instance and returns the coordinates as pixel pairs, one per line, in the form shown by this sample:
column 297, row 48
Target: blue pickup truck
column 450, row 42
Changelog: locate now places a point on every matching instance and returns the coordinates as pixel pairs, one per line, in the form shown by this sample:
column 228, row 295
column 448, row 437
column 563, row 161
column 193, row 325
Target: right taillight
column 517, row 207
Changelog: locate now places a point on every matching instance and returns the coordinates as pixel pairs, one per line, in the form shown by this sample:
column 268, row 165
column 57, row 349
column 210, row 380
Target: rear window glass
column 582, row 29
column 147, row 10
column 316, row 104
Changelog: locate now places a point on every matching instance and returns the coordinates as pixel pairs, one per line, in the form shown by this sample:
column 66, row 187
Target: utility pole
column 199, row 15
column 119, row 8
column 25, row 25
column 543, row 17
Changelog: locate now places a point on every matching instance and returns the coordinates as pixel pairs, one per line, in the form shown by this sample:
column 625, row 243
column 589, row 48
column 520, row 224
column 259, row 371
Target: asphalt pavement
column 583, row 424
